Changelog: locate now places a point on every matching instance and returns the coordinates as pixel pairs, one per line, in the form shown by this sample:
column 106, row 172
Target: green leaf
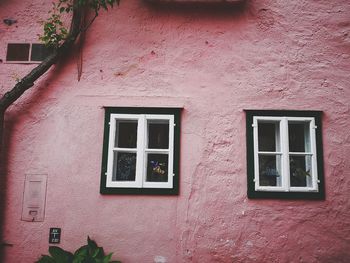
column 78, row 260
column 89, row 260
column 82, row 251
column 89, row 253
column 107, row 258
column 60, row 255
column 92, row 245
column 46, row 259
column 101, row 253
column 95, row 252
column 104, row 5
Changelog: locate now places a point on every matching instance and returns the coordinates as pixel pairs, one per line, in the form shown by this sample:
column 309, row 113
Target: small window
column 18, row 52
column 284, row 152
column 141, row 151
column 39, row 52
column 26, row 52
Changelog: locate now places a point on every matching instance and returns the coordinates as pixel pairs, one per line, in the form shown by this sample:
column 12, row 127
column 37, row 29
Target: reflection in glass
column 270, row 170
column 157, row 168
column 124, row 166
column 300, row 171
column 268, row 136
column 299, row 136
column 158, row 134
column 126, row 133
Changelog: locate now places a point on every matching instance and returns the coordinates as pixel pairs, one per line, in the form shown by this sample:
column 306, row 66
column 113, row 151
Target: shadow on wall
column 199, row 7
column 12, row 116
column 3, row 189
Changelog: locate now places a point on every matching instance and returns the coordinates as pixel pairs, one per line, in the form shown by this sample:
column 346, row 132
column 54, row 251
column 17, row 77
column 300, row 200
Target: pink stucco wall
column 214, row 62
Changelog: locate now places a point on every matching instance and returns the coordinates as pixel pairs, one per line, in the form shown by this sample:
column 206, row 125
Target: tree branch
column 28, row 81
column 88, row 25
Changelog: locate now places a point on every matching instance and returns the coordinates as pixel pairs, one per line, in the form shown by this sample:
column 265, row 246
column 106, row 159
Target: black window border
column 33, row 51
column 252, row 194
column 142, row 191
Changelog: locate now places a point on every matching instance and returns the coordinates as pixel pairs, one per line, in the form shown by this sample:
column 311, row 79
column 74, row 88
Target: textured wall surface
column 214, row 61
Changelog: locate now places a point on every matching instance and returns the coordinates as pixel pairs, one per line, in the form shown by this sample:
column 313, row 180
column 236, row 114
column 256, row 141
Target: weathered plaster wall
column 214, row 62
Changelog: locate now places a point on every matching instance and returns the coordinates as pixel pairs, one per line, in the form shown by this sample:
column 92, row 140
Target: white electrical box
column 34, row 197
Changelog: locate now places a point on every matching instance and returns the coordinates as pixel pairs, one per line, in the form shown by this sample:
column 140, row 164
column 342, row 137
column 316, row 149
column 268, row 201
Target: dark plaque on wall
column 55, row 235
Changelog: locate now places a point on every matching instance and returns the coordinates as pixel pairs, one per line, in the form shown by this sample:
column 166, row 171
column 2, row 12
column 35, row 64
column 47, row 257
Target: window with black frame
column 141, row 151
column 284, row 153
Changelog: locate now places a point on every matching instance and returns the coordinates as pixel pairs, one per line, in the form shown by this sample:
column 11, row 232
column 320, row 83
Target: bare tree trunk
column 2, row 186
column 2, row 116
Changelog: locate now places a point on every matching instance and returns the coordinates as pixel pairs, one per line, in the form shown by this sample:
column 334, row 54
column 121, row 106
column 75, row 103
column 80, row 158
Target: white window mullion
column 109, row 172
column 270, row 153
column 141, row 158
column 157, row 151
column 314, row 173
column 130, row 150
column 171, row 152
column 256, row 153
column 300, row 153
column 279, row 161
column 285, row 153
column 30, row 52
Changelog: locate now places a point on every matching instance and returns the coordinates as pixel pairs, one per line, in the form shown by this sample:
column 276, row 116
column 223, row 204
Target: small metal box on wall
column 34, row 196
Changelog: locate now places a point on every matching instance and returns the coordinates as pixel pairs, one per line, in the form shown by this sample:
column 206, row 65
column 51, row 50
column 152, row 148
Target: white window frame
column 141, row 151
column 284, row 153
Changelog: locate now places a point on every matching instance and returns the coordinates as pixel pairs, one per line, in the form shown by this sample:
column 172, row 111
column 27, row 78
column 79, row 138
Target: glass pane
column 300, row 171
column 268, row 136
column 158, row 134
column 299, row 136
column 17, row 52
column 157, row 168
column 40, row 52
column 270, row 170
column 126, row 134
column 124, row 166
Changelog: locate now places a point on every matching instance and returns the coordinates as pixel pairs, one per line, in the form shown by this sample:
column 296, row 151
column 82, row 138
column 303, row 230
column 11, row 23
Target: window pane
column 39, row 52
column 300, row 171
column 126, row 133
column 158, row 134
column 17, row 52
column 270, row 170
column 268, row 136
column 157, row 168
column 124, row 166
column 299, row 136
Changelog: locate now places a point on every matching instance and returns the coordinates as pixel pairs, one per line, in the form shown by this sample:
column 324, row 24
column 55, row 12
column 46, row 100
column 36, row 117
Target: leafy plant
column 55, row 32
column 90, row 253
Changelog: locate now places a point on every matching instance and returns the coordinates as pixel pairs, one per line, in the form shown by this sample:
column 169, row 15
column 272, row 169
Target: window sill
column 139, row 191
column 286, row 195
column 22, row 62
